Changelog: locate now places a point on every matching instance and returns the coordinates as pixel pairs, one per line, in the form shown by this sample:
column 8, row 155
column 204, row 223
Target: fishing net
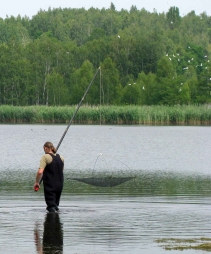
column 106, row 172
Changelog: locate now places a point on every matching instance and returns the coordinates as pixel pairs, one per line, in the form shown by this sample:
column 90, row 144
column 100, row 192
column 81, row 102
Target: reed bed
column 143, row 115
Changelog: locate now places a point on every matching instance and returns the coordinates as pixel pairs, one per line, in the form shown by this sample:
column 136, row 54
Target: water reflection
column 52, row 241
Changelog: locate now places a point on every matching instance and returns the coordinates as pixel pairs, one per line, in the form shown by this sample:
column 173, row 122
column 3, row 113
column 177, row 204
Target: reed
column 202, row 243
column 143, row 115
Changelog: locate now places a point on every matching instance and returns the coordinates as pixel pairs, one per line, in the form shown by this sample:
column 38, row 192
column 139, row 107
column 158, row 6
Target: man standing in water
column 51, row 168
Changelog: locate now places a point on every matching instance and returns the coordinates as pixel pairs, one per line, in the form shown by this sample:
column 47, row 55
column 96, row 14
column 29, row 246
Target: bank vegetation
column 140, row 115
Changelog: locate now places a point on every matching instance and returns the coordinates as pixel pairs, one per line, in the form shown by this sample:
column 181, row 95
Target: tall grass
column 149, row 115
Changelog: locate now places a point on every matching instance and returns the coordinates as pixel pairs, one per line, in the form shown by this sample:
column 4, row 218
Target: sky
column 30, row 8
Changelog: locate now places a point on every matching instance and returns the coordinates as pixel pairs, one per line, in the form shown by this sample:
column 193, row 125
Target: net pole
column 71, row 120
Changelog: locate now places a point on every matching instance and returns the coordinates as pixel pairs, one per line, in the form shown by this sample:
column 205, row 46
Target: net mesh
column 102, row 171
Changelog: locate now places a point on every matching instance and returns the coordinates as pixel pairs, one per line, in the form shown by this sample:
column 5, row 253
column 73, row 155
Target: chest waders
column 53, row 180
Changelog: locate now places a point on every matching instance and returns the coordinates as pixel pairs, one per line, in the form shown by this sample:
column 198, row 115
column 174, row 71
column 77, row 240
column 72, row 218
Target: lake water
column 168, row 196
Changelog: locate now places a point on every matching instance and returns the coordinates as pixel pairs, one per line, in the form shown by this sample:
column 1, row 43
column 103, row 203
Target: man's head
column 49, row 147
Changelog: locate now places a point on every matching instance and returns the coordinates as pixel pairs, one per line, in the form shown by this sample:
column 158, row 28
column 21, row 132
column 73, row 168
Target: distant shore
column 130, row 114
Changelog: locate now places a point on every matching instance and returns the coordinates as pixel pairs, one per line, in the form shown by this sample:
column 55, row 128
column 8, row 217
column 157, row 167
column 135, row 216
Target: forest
column 144, row 58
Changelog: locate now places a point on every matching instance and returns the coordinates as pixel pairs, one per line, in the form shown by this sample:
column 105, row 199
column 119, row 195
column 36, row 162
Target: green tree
column 14, row 69
column 80, row 80
column 148, row 88
column 184, row 94
column 110, row 81
column 167, row 83
column 131, row 94
column 203, row 86
column 57, row 91
column 173, row 17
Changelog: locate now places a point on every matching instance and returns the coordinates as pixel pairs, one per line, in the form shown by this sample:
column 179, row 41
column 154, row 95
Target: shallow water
column 169, row 196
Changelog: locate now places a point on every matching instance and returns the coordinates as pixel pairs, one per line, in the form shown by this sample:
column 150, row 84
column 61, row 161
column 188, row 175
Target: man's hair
column 50, row 146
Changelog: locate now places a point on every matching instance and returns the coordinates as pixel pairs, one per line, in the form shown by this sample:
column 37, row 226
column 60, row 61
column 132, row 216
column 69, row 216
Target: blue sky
column 30, row 8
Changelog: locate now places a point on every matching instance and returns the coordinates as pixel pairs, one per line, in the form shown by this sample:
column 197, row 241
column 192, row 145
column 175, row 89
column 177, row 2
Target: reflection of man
column 52, row 236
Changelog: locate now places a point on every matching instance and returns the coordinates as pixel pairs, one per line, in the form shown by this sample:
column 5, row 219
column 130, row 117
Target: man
column 51, row 168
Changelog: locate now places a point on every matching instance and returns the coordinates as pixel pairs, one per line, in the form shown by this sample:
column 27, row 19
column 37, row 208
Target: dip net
column 105, row 172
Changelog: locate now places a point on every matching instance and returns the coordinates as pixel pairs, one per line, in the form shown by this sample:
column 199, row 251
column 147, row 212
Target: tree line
column 145, row 58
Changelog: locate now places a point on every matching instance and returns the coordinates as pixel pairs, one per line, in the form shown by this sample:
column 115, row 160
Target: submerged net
column 103, row 181
column 105, row 172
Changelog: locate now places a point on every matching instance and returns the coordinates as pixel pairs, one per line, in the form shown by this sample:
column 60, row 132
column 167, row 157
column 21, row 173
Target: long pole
column 79, row 105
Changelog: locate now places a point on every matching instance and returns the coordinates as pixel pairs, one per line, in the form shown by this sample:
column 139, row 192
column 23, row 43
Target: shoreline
column 190, row 115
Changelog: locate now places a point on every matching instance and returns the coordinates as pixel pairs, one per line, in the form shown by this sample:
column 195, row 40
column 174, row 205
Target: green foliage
column 130, row 114
column 56, row 89
column 111, row 88
column 173, row 17
column 80, row 81
column 51, row 58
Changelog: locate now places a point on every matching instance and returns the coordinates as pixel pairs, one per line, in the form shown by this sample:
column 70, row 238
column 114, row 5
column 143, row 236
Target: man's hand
column 36, row 186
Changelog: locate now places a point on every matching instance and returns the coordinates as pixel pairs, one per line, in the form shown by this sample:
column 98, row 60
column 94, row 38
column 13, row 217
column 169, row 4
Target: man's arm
column 38, row 177
column 46, row 159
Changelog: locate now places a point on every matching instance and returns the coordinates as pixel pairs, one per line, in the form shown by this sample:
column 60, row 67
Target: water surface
column 169, row 196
